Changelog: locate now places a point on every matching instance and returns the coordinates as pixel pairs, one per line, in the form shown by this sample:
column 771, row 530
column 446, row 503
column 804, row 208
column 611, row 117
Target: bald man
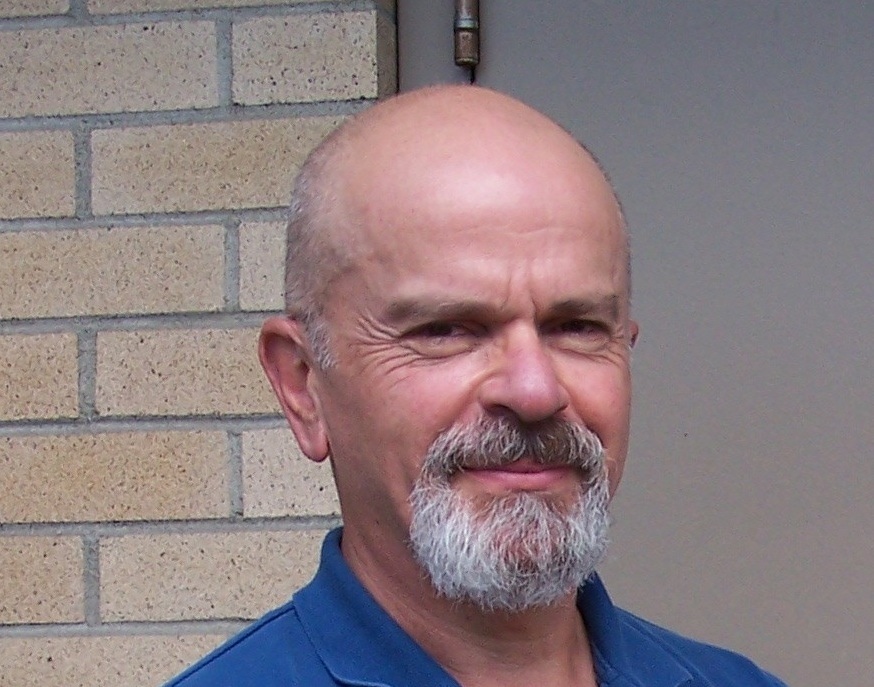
column 457, row 343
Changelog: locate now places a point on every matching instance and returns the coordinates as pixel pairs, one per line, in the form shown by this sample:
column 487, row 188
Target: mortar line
column 232, row 266
column 182, row 320
column 91, row 579
column 142, row 118
column 235, row 473
column 78, row 10
column 82, row 165
column 87, row 373
column 196, row 218
column 99, row 530
column 387, row 13
column 125, row 629
column 45, row 21
column 138, row 424
column 224, row 38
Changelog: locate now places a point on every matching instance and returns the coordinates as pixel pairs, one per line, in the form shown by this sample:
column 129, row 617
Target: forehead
column 422, row 193
column 426, row 195
column 504, row 251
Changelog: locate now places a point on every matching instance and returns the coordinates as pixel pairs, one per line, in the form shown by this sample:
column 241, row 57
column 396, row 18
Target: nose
column 523, row 383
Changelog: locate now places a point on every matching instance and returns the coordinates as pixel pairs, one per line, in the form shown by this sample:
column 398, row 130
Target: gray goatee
column 514, row 551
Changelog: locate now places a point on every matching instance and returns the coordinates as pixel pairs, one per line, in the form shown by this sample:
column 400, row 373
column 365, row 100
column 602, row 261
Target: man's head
column 461, row 263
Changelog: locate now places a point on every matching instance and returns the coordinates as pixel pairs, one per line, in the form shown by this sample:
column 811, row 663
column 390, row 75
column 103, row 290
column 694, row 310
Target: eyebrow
column 407, row 309
column 422, row 308
column 608, row 306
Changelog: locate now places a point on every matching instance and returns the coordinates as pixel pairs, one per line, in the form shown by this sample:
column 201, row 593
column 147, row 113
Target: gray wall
column 741, row 138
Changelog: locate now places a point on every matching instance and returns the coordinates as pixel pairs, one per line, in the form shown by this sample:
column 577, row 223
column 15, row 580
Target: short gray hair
column 312, row 256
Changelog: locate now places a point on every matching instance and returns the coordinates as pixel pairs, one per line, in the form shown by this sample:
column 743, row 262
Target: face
column 489, row 287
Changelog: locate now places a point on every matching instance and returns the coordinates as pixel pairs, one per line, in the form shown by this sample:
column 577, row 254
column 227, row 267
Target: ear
column 634, row 330
column 286, row 358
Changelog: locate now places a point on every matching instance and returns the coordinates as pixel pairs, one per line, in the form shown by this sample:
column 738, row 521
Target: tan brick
column 42, row 580
column 32, row 8
column 131, row 67
column 324, row 56
column 120, row 6
column 262, row 266
column 182, row 577
column 124, row 476
column 36, row 174
column 279, row 480
column 181, row 372
column 142, row 661
column 38, row 376
column 109, row 271
column 201, row 166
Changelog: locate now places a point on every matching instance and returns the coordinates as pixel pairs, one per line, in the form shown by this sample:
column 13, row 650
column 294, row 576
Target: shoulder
column 272, row 652
column 709, row 664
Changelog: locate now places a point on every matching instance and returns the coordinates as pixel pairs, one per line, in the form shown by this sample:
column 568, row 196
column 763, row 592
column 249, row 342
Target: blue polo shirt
column 333, row 633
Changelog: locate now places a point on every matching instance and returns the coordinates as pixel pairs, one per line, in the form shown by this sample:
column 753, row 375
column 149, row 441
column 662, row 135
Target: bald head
column 455, row 139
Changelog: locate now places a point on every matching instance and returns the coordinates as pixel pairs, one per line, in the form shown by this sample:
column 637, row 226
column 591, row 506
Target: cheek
column 387, row 422
column 601, row 400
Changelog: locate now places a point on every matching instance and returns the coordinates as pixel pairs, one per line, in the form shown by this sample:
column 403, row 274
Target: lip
column 523, row 475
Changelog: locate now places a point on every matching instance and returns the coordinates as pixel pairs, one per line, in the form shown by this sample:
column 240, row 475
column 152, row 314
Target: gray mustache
column 492, row 443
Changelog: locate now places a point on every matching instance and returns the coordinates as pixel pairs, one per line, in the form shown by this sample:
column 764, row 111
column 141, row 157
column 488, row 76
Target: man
column 457, row 342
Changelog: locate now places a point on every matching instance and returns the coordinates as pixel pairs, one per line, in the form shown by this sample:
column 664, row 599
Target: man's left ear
column 285, row 357
column 634, row 331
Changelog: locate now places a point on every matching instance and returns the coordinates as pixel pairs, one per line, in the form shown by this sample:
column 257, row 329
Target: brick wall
column 151, row 499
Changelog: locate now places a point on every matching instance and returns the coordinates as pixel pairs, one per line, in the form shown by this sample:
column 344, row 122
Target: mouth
column 523, row 475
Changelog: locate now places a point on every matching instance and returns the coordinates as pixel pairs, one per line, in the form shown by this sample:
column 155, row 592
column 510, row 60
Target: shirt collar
column 623, row 653
column 360, row 644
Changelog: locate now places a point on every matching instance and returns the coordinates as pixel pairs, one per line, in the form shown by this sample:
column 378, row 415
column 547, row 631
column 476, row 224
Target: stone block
column 38, row 375
column 279, row 480
column 137, row 661
column 42, row 580
column 122, row 6
column 201, row 576
column 111, row 271
column 192, row 167
column 181, row 372
column 114, row 476
column 124, row 68
column 262, row 266
column 37, row 174
column 306, row 57
column 32, row 8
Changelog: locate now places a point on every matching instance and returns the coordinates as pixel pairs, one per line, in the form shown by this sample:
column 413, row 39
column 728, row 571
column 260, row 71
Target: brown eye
column 439, row 330
column 581, row 335
column 581, row 327
column 441, row 339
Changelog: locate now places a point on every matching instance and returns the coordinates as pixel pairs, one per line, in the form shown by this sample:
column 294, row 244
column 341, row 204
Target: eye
column 582, row 327
column 441, row 338
column 439, row 330
column 581, row 334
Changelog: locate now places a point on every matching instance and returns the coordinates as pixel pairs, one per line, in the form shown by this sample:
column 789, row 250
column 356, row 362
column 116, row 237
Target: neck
column 543, row 645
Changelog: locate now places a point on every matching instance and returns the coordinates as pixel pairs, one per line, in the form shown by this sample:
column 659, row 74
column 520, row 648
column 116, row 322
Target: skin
column 486, row 276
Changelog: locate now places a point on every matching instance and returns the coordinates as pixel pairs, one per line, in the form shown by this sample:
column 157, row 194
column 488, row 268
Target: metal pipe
column 466, row 33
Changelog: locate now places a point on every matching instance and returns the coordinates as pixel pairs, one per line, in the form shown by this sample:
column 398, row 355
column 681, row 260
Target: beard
column 516, row 551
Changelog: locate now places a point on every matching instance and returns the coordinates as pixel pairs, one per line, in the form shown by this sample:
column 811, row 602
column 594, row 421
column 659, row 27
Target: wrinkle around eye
column 583, row 336
column 385, row 350
column 441, row 339
column 383, row 357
